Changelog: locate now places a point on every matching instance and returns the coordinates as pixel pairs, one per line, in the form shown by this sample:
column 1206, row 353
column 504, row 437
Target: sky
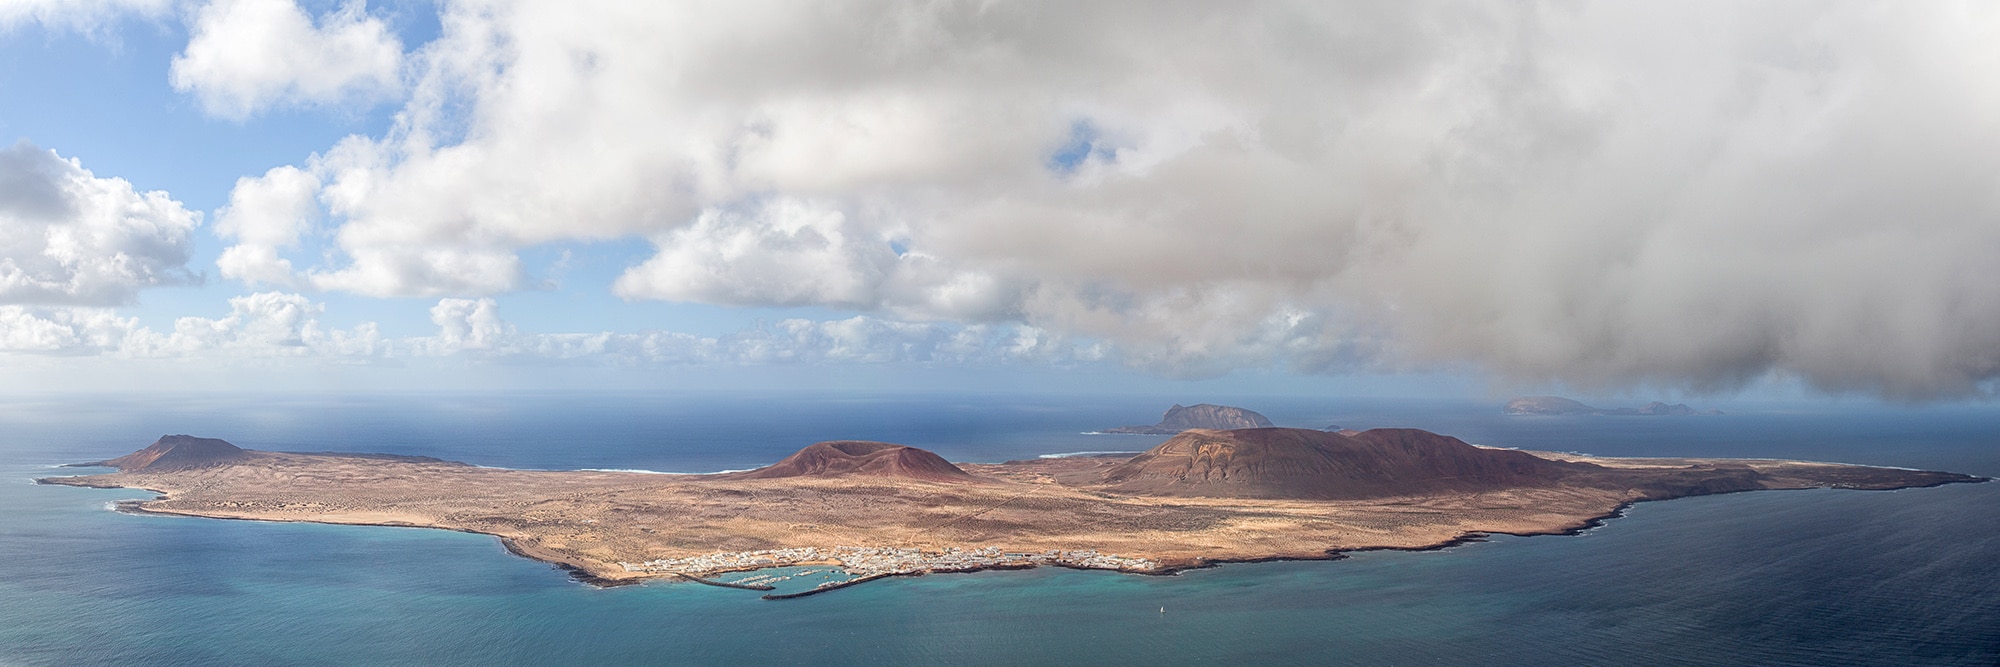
column 1698, row 200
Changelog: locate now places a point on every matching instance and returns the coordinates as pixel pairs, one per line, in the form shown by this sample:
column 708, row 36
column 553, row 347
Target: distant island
column 1205, row 415
column 868, row 510
column 1557, row 405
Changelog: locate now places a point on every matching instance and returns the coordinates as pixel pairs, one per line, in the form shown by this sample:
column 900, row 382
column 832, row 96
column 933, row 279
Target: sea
column 1815, row 577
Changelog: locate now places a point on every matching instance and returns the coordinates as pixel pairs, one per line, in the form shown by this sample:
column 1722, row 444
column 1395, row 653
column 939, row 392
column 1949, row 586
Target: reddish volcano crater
column 849, row 458
column 178, row 452
column 1291, row 463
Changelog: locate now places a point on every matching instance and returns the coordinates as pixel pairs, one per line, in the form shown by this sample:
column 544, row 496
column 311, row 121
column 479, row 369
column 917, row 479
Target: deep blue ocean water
column 1818, row 577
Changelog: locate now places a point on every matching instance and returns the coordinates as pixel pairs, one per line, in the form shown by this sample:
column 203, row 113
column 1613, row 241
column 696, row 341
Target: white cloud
column 245, row 56
column 69, row 237
column 63, row 331
column 467, row 324
column 281, row 327
column 261, row 325
column 786, row 253
column 424, row 270
column 789, row 252
column 87, row 16
column 474, row 327
column 265, row 215
column 1690, row 194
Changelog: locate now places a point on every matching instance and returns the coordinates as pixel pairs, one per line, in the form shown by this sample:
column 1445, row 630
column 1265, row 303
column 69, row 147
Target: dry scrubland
column 891, row 497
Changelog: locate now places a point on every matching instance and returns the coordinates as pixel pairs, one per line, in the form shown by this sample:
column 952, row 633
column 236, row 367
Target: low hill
column 845, row 458
column 1557, row 405
column 1675, row 410
column 1288, row 463
column 178, row 452
column 1547, row 405
column 1206, row 415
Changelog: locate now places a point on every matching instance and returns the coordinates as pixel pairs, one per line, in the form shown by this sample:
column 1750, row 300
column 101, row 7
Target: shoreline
column 1472, row 537
column 137, row 507
column 574, row 571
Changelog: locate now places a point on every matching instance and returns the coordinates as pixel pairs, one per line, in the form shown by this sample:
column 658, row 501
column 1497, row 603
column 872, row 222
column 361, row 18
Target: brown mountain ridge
column 861, row 458
column 1305, row 464
column 1204, row 415
column 177, row 452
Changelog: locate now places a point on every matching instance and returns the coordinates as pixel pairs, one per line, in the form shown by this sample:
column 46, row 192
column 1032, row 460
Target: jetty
column 834, row 586
column 724, row 584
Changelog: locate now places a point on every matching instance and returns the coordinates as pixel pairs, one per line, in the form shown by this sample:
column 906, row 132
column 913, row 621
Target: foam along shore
column 1066, row 455
column 870, row 561
column 863, row 564
column 877, row 509
column 641, row 471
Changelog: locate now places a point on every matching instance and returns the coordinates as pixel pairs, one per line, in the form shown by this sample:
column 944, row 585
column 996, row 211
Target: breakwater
column 833, row 586
column 725, row 584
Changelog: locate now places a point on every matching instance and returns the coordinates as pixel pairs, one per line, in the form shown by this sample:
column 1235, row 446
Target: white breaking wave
column 1065, row 455
column 662, row 472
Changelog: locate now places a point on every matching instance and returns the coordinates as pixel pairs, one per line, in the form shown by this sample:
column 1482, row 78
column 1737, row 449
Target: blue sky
column 1645, row 200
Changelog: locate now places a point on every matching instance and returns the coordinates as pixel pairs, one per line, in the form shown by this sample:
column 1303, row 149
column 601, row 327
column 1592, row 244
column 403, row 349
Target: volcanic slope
column 848, row 458
column 178, row 452
column 1206, row 415
column 1303, row 464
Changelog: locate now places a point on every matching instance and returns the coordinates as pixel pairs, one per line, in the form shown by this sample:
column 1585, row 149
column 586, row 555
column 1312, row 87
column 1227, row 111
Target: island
column 868, row 510
column 1205, row 415
column 1557, row 405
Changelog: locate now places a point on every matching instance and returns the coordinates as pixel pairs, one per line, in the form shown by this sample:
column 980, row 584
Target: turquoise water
column 1805, row 577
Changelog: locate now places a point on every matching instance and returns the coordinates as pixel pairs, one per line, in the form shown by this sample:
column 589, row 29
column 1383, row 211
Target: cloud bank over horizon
column 280, row 326
column 1689, row 195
